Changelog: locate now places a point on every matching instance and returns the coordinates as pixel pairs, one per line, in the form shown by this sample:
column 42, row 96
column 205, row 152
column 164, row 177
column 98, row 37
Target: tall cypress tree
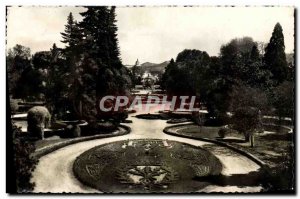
column 95, row 26
column 72, row 37
column 275, row 58
column 96, row 48
column 113, row 41
column 100, row 32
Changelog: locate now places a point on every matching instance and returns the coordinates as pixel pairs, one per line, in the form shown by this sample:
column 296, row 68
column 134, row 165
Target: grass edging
column 242, row 152
column 46, row 150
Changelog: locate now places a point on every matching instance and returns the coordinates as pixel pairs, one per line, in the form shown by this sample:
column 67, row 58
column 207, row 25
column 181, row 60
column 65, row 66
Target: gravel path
column 54, row 171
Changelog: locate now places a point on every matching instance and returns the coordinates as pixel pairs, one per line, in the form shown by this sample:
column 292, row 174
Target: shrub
column 149, row 116
column 14, row 106
column 107, row 126
column 223, row 132
column 38, row 118
column 73, row 131
column 246, row 120
column 246, row 106
column 283, row 99
column 198, row 118
column 282, row 177
column 24, row 162
column 219, row 119
column 98, row 127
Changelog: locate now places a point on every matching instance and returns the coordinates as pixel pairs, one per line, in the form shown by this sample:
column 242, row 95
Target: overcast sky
column 156, row 34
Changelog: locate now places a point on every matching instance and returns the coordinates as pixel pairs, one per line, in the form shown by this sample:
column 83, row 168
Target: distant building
column 148, row 80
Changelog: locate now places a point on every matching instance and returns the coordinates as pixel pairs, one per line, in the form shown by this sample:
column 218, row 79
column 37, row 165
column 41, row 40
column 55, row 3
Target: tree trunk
column 247, row 137
column 252, row 140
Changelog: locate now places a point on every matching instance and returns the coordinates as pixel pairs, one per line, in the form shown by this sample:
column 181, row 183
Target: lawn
column 270, row 147
column 276, row 149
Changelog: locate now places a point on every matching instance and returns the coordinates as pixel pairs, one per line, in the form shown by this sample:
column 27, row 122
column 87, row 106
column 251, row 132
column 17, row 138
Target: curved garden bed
column 272, row 151
column 43, row 147
column 209, row 136
column 278, row 128
column 146, row 166
column 177, row 121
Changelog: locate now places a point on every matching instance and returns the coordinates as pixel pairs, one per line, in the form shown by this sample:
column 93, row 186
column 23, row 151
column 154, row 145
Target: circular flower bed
column 151, row 116
column 146, row 166
column 194, row 130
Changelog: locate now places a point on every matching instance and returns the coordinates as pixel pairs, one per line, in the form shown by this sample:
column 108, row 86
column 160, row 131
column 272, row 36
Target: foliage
column 247, row 105
column 38, row 118
column 19, row 51
column 17, row 60
column 112, row 38
column 282, row 98
column 41, row 60
column 94, row 60
column 30, row 84
column 275, row 58
column 246, row 121
column 14, row 106
column 217, row 100
column 282, row 177
column 179, row 77
column 84, row 91
column 290, row 58
column 241, row 62
column 223, row 132
column 24, row 162
column 58, row 83
column 212, row 78
column 68, row 34
column 26, row 75
column 245, row 96
column 73, row 131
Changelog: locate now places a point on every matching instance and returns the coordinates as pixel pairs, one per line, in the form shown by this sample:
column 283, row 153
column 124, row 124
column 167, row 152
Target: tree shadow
column 254, row 178
column 279, row 137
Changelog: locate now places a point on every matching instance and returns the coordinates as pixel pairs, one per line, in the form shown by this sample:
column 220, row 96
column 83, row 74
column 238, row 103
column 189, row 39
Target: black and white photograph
column 150, row 99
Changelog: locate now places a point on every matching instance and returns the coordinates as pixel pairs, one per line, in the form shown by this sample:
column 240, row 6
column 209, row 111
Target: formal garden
column 240, row 139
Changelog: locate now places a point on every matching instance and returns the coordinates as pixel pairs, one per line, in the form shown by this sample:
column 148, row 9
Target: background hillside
column 154, row 68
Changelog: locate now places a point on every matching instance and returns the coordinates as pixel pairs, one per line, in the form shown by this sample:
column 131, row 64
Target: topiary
column 38, row 118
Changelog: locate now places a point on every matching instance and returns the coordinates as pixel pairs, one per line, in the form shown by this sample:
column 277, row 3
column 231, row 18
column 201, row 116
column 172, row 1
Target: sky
column 156, row 34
